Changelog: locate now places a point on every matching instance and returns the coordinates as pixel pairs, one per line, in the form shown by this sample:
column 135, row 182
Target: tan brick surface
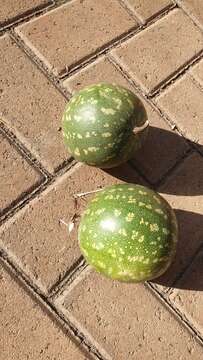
column 14, row 8
column 146, row 9
column 184, row 191
column 101, row 70
column 188, row 297
column 197, row 72
column 183, row 103
column 26, row 330
column 127, row 320
column 16, row 175
column 194, row 8
column 118, row 320
column 152, row 56
column 154, row 159
column 34, row 238
column 31, row 105
column 80, row 28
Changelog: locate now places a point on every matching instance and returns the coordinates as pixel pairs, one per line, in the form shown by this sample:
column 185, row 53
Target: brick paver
column 14, row 166
column 13, row 9
column 154, row 159
column 26, row 330
column 99, row 23
column 154, row 48
column 127, row 320
column 31, row 105
column 159, row 51
column 188, row 296
column 183, row 103
column 184, row 191
column 197, row 72
column 147, row 9
column 194, row 8
column 41, row 245
column 101, row 70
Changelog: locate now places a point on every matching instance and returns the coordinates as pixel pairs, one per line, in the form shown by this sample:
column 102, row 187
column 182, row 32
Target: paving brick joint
column 52, row 305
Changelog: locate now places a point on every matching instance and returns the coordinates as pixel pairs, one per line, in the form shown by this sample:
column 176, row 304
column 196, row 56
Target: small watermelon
column 103, row 125
column 129, row 233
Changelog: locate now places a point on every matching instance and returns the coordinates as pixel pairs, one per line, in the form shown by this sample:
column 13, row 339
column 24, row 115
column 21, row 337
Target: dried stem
column 136, row 130
column 86, row 193
column 63, row 222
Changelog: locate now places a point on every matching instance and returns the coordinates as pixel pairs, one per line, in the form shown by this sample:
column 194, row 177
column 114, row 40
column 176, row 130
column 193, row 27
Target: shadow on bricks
column 189, row 223
column 183, row 189
column 160, row 152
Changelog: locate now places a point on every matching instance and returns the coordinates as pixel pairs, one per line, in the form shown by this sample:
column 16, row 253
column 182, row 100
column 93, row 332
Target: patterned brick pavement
column 52, row 305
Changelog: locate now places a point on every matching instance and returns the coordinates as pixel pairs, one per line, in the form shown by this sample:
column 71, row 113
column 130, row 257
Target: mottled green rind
column 98, row 125
column 129, row 233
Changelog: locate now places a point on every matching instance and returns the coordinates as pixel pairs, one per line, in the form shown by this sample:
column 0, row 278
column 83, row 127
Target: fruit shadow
column 186, row 271
column 162, row 150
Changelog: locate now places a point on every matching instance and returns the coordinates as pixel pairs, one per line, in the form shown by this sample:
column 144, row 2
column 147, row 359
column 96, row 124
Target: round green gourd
column 103, row 125
column 129, row 233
